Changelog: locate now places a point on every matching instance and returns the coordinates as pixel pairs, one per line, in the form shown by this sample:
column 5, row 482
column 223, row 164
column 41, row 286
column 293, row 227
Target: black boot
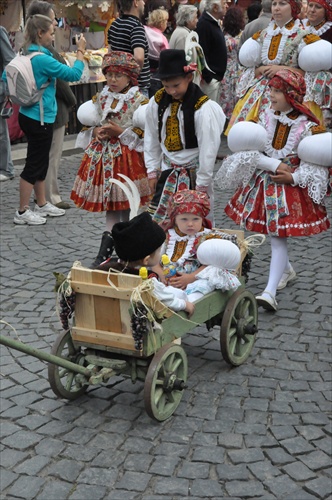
column 105, row 250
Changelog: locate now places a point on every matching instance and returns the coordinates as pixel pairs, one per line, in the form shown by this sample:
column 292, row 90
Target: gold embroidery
column 274, row 46
column 280, row 136
column 158, row 95
column 317, row 129
column 145, row 101
column 94, row 98
column 275, row 41
column 173, row 139
column 114, row 103
column 311, row 38
column 201, row 101
column 256, row 35
column 139, row 132
column 179, row 249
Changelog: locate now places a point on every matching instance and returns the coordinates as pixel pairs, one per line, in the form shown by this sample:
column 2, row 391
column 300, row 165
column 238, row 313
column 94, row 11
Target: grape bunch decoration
column 139, row 326
column 246, row 265
column 67, row 308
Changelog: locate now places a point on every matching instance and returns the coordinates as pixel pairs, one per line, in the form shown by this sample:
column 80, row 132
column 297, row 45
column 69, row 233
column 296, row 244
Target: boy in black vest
column 182, row 134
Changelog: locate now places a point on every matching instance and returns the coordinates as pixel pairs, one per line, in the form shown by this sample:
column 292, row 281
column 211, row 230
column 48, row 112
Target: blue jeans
column 6, row 163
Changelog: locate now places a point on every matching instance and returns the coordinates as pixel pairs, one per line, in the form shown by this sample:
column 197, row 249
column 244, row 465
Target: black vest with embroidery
column 193, row 100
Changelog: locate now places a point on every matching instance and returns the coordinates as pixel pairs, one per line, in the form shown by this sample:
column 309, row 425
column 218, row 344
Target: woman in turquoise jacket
column 39, row 36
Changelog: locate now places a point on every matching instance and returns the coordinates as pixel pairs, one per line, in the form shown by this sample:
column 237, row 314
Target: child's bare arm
column 190, row 308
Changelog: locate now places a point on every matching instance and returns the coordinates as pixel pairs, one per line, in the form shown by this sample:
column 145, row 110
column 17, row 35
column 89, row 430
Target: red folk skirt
column 279, row 210
column 102, row 161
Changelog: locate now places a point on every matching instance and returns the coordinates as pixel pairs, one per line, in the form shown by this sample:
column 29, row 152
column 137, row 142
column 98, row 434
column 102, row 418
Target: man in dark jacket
column 212, row 41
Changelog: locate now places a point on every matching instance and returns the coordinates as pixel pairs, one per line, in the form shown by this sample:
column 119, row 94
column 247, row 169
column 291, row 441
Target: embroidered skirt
column 101, row 162
column 279, row 210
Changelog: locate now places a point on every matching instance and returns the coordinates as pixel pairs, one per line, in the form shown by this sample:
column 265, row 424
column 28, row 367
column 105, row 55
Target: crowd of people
column 267, row 85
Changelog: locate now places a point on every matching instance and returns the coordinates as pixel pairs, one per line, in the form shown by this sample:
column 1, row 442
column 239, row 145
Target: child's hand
column 152, row 185
column 181, row 280
column 111, row 129
column 283, row 174
column 190, row 308
column 97, row 133
column 282, row 177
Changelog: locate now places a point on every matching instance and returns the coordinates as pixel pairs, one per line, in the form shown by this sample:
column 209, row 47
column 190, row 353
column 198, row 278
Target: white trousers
column 51, row 182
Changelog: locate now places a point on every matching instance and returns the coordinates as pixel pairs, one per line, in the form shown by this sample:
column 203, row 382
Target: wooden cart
column 100, row 342
column 101, row 338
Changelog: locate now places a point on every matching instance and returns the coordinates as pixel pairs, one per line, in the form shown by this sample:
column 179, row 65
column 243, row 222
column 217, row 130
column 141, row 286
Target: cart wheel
column 238, row 327
column 165, row 380
column 62, row 381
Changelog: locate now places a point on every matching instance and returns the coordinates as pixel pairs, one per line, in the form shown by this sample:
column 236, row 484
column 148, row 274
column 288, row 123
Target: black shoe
column 105, row 250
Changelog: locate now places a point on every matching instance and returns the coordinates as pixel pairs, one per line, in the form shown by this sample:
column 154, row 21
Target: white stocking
column 112, row 217
column 279, row 261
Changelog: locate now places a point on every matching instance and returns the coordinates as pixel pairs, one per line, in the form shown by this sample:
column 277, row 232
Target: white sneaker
column 285, row 278
column 5, row 177
column 49, row 210
column 29, row 217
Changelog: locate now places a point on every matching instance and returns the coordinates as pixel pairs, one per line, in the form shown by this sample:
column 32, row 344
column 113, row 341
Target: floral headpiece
column 121, row 62
column 292, row 84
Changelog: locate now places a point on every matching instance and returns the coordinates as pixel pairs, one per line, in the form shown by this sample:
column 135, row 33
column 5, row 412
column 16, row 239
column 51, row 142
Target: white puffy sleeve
column 250, row 54
column 315, row 153
column 89, row 114
column 209, row 125
column 152, row 148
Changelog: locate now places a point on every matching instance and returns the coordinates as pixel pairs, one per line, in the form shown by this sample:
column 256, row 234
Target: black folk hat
column 172, row 63
column 137, row 238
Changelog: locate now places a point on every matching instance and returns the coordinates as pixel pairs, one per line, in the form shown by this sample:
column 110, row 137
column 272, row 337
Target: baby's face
column 189, row 223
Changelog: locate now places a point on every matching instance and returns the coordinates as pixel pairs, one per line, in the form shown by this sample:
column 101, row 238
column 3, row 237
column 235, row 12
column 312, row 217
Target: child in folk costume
column 138, row 242
column 182, row 134
column 283, row 195
column 114, row 142
column 187, row 228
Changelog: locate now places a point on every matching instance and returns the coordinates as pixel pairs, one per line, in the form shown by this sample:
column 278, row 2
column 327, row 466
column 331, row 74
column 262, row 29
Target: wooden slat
column 100, row 290
column 85, row 309
column 100, row 337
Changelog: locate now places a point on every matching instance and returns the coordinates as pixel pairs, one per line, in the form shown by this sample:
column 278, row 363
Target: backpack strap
column 42, row 87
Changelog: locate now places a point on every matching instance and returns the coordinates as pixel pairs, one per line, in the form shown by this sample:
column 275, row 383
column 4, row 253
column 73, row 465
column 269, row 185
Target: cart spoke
column 177, row 363
column 162, row 402
column 245, row 307
column 169, row 362
column 232, row 332
column 69, row 381
column 232, row 344
column 158, row 393
column 63, row 372
column 159, row 381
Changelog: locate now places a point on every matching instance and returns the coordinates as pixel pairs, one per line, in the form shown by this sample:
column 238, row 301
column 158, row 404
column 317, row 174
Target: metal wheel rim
column 63, row 382
column 241, row 310
column 169, row 360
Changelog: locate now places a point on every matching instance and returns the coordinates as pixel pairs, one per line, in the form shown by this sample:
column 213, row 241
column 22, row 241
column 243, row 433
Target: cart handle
column 45, row 356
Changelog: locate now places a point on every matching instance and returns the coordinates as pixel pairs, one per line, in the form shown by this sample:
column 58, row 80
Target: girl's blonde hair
column 157, row 18
column 35, row 23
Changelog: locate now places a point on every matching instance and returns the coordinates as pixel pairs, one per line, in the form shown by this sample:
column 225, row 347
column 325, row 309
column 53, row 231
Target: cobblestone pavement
column 261, row 430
